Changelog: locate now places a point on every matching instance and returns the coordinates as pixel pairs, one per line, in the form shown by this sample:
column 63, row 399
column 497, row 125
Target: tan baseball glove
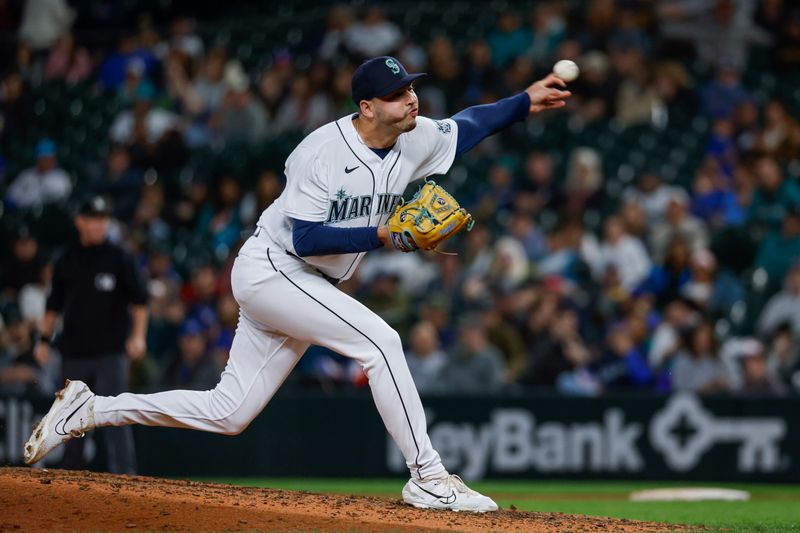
column 429, row 218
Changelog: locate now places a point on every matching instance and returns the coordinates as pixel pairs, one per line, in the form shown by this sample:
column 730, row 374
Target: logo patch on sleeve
column 443, row 127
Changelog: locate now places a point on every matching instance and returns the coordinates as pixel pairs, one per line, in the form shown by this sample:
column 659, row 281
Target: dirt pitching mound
column 58, row 500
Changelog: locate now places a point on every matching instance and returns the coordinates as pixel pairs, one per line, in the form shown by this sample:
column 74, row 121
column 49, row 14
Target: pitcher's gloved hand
column 429, row 218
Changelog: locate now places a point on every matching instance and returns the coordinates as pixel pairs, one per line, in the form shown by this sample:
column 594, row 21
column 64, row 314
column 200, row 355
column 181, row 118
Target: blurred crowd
column 688, row 284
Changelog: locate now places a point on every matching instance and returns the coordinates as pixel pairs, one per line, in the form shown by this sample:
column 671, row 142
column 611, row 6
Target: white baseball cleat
column 448, row 492
column 71, row 415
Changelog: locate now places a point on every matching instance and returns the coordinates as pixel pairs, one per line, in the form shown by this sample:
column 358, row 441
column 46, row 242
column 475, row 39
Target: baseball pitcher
column 343, row 198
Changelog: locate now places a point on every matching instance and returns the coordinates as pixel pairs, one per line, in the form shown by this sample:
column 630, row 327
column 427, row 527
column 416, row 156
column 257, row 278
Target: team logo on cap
column 393, row 66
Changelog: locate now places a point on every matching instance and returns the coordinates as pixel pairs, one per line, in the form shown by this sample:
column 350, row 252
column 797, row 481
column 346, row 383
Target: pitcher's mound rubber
column 58, row 500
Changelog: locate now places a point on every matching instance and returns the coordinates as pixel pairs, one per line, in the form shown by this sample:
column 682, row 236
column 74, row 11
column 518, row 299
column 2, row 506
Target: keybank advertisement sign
column 679, row 436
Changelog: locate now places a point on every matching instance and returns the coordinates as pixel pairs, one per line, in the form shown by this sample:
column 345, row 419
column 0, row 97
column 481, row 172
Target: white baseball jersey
column 333, row 177
column 285, row 305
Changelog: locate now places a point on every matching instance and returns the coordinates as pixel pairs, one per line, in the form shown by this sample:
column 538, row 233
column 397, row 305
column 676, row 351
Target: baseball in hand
column 566, row 70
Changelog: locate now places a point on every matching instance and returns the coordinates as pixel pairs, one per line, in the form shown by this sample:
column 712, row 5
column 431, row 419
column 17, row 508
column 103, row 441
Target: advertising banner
column 626, row 437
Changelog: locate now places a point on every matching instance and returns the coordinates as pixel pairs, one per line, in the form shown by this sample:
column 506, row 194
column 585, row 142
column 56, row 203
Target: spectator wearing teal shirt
column 780, row 249
column 508, row 40
column 220, row 220
column 774, row 195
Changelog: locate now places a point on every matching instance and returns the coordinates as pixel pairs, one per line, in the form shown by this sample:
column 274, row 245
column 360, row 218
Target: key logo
column 758, row 439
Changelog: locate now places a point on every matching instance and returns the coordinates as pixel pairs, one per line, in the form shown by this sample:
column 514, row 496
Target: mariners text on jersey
column 345, row 207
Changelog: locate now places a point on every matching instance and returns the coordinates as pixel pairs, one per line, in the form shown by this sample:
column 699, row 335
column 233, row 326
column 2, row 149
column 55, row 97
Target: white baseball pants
column 286, row 305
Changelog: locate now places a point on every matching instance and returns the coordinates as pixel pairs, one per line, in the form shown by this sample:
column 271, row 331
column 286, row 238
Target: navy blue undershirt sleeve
column 478, row 122
column 315, row 238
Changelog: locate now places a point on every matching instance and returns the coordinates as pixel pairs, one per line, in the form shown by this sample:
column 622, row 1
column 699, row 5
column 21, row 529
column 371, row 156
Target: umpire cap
column 95, row 206
column 380, row 76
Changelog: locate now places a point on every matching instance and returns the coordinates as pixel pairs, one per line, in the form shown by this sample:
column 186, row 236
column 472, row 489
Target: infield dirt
column 58, row 500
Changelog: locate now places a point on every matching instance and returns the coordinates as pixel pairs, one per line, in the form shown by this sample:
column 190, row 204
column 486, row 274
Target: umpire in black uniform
column 103, row 300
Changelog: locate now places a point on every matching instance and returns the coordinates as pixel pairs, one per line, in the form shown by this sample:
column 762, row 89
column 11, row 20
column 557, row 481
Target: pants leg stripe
column 408, row 419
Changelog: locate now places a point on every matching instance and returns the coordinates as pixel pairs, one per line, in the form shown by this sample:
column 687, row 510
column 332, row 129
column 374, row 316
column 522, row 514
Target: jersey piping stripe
column 405, row 411
column 399, row 153
column 369, row 216
column 388, row 177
